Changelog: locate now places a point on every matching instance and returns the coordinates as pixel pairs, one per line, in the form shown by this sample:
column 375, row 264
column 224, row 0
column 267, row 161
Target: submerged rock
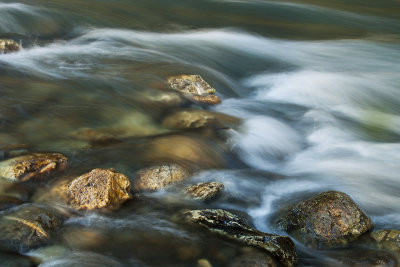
column 9, row 46
column 204, row 191
column 26, row 227
column 197, row 118
column 15, row 260
column 387, row 240
column 327, row 220
column 233, row 227
column 100, row 188
column 33, row 166
column 254, row 258
column 195, row 87
column 11, row 194
column 361, row 258
column 159, row 176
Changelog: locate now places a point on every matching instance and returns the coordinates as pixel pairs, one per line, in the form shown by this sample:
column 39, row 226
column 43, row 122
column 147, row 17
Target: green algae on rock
column 233, row 227
column 32, row 166
column 195, row 87
column 27, row 226
column 204, row 191
column 159, row 176
column 9, row 46
column 329, row 219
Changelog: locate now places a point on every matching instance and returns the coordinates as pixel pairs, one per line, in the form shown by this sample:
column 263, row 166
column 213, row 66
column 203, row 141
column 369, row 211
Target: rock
column 204, row 191
column 197, row 118
column 329, row 219
column 192, row 152
column 15, row 260
column 361, row 258
column 254, row 258
column 93, row 136
column 11, row 194
column 233, row 227
column 26, row 227
column 388, row 240
column 203, row 263
column 100, row 188
column 33, row 166
column 84, row 239
column 9, row 46
column 195, row 88
column 159, row 176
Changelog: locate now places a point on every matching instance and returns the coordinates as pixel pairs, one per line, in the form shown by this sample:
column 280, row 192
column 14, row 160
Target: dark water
column 316, row 84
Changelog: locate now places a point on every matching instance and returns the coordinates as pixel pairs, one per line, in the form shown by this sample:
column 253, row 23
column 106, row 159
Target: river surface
column 316, row 84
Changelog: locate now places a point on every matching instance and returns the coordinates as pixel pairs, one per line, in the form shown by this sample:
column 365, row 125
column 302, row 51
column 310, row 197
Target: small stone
column 197, row 118
column 233, row 227
column 160, row 176
column 329, row 219
column 204, row 191
column 100, row 188
column 26, row 227
column 203, row 263
column 33, row 166
column 93, row 136
column 195, row 87
column 9, row 46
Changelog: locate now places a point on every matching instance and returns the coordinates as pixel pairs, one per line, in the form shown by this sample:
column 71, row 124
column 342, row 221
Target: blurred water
column 316, row 84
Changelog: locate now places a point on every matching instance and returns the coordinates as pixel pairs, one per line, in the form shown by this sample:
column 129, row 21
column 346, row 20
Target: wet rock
column 361, row 258
column 26, row 227
column 100, row 188
column 197, row 118
column 387, row 240
column 15, row 260
column 159, row 176
column 85, row 238
column 11, row 194
column 9, row 46
column 33, row 166
column 204, row 191
column 254, row 258
column 191, row 152
column 203, row 263
column 233, row 227
column 93, row 136
column 194, row 87
column 327, row 220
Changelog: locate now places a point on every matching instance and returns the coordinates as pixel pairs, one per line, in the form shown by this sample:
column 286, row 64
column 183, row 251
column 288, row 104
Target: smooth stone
column 254, row 258
column 9, row 46
column 27, row 226
column 203, row 263
column 204, row 191
column 100, row 188
column 194, row 87
column 197, row 118
column 361, row 258
column 11, row 194
column 159, row 176
column 15, row 260
column 32, row 166
column 233, row 227
column 330, row 219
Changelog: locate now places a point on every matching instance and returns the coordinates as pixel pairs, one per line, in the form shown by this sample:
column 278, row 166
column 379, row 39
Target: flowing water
column 316, row 84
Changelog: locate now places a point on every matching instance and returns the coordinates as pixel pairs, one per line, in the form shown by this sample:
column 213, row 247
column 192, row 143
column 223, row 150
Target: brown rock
column 388, row 240
column 327, row 220
column 233, row 227
column 361, row 258
column 26, row 227
column 9, row 46
column 160, row 176
column 197, row 118
column 204, row 191
column 254, row 258
column 194, row 87
column 100, row 188
column 203, row 263
column 33, row 166
column 11, row 194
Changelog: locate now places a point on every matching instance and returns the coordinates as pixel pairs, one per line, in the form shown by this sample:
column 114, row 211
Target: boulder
column 26, row 227
column 9, row 46
column 197, row 118
column 100, row 188
column 159, row 176
column 388, row 240
column 329, row 219
column 254, row 258
column 32, row 166
column 204, row 191
column 235, row 228
column 195, row 88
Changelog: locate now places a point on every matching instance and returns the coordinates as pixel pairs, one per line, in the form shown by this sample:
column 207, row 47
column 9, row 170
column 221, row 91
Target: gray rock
column 330, row 219
column 204, row 191
column 233, row 227
column 159, row 176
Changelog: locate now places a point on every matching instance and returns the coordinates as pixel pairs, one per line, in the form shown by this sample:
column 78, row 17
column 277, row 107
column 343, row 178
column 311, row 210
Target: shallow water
column 316, row 84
